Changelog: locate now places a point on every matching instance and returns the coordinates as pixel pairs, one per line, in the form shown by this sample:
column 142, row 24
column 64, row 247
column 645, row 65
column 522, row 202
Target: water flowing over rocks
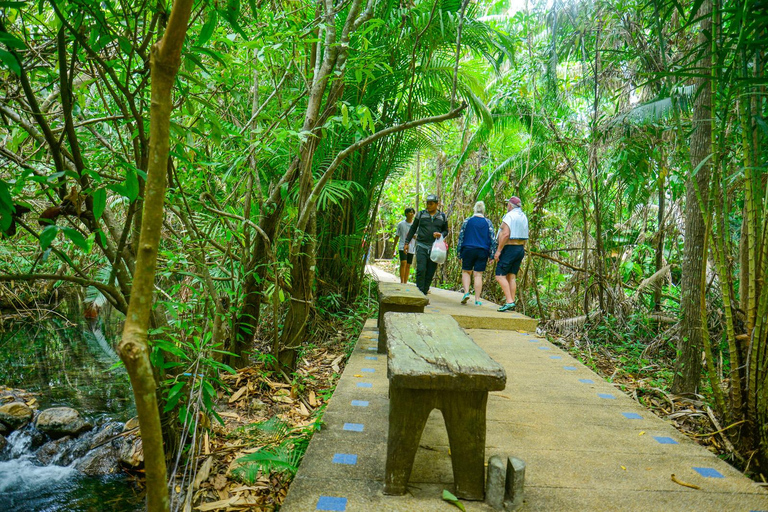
column 15, row 414
column 58, row 422
column 61, row 437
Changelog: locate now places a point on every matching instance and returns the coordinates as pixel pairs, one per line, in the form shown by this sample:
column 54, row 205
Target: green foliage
column 281, row 448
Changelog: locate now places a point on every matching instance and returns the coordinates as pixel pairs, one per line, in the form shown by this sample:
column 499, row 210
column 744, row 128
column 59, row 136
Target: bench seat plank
column 399, row 297
column 433, row 352
column 401, row 294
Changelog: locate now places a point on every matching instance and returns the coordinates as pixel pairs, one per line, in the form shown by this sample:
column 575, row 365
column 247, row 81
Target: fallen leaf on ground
column 215, row 505
column 238, row 394
column 684, row 484
column 219, row 481
column 450, row 498
column 202, row 474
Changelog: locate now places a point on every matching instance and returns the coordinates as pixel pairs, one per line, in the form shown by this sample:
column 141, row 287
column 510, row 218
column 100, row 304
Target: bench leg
column 464, row 414
column 408, row 413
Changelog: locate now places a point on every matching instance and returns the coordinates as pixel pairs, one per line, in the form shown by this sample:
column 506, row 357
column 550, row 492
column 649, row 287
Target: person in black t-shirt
column 428, row 225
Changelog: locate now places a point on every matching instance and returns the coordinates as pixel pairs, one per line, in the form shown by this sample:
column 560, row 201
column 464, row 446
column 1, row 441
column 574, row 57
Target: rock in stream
column 58, row 422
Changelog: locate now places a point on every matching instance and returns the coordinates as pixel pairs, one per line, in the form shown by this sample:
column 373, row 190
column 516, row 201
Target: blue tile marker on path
column 372, row 358
column 368, row 370
column 607, row 396
column 359, row 403
column 708, row 472
column 345, row 458
column 332, row 503
column 664, row 440
column 555, row 357
column 543, row 348
column 632, row 416
column 354, row 427
column 364, row 385
column 586, row 381
column 570, row 368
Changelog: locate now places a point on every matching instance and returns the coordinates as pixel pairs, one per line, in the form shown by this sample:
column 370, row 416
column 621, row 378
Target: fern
column 281, row 453
column 283, row 458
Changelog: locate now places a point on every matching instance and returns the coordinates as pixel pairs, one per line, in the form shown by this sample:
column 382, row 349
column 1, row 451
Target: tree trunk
column 133, row 348
column 660, row 238
column 688, row 363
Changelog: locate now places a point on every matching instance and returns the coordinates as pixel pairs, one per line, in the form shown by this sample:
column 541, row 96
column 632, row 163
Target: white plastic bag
column 439, row 251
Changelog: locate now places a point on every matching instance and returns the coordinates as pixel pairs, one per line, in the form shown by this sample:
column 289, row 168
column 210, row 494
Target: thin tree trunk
column 660, row 241
column 133, row 348
column 688, row 363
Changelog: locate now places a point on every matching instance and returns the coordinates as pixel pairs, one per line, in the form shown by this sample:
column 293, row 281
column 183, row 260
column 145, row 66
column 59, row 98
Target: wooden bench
column 433, row 364
column 401, row 298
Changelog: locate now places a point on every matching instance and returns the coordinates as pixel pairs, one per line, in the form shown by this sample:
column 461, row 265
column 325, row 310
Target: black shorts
column 510, row 259
column 408, row 258
column 474, row 258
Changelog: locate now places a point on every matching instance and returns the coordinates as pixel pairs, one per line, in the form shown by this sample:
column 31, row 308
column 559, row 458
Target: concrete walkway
column 587, row 446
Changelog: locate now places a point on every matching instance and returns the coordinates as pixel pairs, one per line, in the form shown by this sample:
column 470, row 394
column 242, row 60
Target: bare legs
column 466, row 279
column 478, row 285
column 405, row 271
column 508, row 285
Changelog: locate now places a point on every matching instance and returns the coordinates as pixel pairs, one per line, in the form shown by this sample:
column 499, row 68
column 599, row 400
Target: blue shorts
column 474, row 258
column 510, row 259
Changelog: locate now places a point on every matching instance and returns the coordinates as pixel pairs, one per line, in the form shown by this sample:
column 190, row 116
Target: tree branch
column 313, row 198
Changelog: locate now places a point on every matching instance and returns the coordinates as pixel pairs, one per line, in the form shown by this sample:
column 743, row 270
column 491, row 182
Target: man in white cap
column 428, row 225
column 511, row 250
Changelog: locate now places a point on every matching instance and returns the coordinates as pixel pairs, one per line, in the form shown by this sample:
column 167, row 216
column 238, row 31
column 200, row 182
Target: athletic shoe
column 478, row 303
column 509, row 306
column 465, row 298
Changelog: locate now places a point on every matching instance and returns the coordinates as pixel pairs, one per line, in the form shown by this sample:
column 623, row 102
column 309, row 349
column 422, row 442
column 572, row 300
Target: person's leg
column 504, row 283
column 407, row 269
column 430, row 273
column 480, row 265
column 422, row 257
column 401, row 256
column 478, row 285
column 519, row 254
column 512, row 279
column 466, row 278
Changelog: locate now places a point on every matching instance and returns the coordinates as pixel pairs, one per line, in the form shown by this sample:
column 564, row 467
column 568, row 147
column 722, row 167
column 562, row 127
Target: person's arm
column 503, row 237
column 411, row 232
column 461, row 237
column 445, row 227
column 492, row 235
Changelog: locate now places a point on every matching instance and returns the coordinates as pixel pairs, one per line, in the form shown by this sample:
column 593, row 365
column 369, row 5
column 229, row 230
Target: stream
column 72, row 366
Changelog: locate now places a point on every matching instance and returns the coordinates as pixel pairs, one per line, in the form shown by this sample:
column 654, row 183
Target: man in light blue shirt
column 511, row 250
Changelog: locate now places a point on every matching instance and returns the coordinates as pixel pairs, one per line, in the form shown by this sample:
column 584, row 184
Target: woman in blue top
column 477, row 243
